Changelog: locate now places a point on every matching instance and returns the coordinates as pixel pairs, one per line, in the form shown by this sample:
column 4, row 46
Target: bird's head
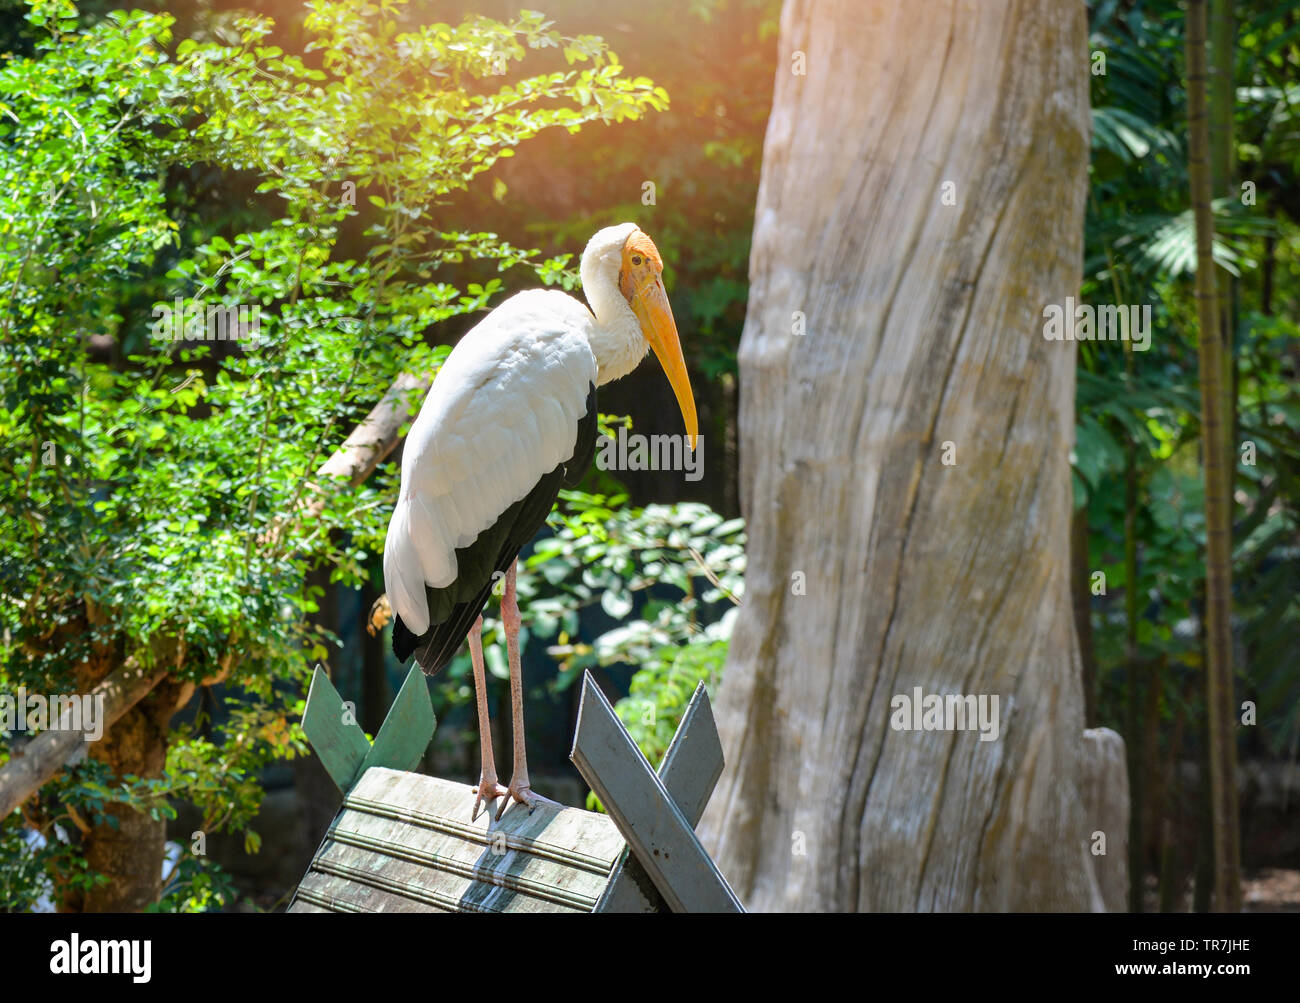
column 640, row 281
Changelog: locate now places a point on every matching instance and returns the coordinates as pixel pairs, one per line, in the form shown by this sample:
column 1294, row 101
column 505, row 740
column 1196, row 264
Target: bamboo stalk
column 1218, row 528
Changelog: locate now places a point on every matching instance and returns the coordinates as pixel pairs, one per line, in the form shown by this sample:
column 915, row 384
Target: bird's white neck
column 615, row 336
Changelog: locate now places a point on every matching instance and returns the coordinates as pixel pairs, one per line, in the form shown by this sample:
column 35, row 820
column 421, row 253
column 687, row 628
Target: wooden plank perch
column 341, row 744
column 404, row 842
column 651, row 821
column 690, row 769
column 408, row 843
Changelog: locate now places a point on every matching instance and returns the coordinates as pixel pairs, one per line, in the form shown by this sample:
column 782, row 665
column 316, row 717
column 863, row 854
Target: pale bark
column 924, row 327
column 1106, row 808
column 374, row 437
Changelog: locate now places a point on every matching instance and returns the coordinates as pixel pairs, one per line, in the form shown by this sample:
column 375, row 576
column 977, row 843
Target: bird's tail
column 438, row 645
column 405, row 643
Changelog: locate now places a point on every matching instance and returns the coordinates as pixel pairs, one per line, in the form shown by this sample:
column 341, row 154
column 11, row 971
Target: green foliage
column 158, row 489
column 661, row 691
column 613, row 554
column 606, row 552
column 1140, row 249
column 670, row 577
column 196, row 884
column 30, row 858
column 660, row 571
column 716, row 58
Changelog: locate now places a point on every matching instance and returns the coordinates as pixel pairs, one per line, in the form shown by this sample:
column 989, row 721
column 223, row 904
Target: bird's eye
column 636, row 259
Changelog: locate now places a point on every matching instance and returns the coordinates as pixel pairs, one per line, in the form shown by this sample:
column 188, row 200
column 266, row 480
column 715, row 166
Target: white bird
column 509, row 420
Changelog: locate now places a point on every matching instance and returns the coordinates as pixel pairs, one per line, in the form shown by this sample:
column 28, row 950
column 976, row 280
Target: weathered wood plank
column 302, row 904
column 690, row 769
column 405, row 843
column 694, row 760
column 340, row 890
column 636, row 799
column 333, row 732
column 439, row 882
column 341, row 743
column 578, row 838
column 501, row 862
column 406, row 730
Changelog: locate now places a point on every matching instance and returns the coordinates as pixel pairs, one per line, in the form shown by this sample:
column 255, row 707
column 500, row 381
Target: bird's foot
column 487, row 791
column 523, row 794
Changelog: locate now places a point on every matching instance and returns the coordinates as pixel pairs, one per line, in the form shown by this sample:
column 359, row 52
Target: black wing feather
column 453, row 610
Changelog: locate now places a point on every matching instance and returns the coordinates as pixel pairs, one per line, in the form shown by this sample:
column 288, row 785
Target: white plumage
column 504, row 409
column 502, row 412
column 501, row 426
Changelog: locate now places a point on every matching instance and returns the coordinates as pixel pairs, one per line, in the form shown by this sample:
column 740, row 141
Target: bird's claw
column 494, row 789
column 522, row 794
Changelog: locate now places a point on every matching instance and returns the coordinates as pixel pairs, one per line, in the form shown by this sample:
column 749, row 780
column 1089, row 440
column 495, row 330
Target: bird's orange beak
column 644, row 289
column 650, row 304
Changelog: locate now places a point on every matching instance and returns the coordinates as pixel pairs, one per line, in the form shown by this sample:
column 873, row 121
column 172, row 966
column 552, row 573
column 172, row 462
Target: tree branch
column 46, row 754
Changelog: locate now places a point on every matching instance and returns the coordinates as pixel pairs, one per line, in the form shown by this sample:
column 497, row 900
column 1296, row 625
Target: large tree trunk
column 129, row 851
column 925, row 341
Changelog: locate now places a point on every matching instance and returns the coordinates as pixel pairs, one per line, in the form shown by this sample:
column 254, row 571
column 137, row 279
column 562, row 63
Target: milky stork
column 509, row 420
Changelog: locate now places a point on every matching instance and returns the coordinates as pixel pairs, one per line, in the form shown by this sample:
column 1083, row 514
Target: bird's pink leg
column 519, row 788
column 488, row 789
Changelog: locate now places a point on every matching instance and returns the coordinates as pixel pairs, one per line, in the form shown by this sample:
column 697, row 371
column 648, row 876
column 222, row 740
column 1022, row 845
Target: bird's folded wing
column 502, row 413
